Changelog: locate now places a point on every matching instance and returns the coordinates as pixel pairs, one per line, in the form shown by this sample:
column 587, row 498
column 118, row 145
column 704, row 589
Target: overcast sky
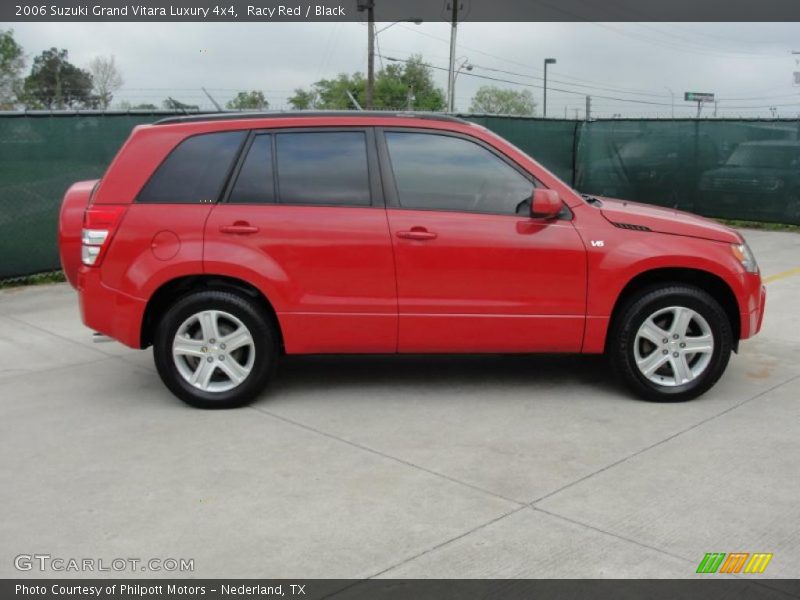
column 749, row 66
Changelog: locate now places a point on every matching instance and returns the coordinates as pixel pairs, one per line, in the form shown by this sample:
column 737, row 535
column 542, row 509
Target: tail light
column 99, row 224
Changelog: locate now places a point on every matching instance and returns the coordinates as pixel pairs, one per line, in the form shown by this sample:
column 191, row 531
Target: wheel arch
column 713, row 284
column 174, row 289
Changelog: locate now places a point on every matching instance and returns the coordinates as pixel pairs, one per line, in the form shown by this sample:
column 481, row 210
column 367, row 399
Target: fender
column 611, row 270
column 256, row 268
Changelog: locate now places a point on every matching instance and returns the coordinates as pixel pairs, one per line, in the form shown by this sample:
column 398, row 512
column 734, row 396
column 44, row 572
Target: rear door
column 303, row 219
column 475, row 273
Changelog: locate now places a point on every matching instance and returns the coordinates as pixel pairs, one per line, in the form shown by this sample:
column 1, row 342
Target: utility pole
column 371, row 54
column 451, row 71
column 588, row 108
column 369, row 7
column 547, row 61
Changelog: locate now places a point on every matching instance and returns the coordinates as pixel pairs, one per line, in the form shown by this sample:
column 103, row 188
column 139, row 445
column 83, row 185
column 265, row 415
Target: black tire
column 263, row 335
column 622, row 340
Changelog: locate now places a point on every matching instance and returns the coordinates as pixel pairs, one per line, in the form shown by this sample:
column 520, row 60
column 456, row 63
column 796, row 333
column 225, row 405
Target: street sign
column 698, row 97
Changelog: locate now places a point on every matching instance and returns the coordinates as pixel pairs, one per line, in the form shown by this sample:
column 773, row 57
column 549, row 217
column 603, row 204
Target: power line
column 607, row 89
column 512, row 62
column 620, row 89
column 649, row 40
column 529, row 85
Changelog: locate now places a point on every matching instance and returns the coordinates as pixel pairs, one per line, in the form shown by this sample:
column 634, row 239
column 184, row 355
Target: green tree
column 413, row 78
column 398, row 86
column 497, row 101
column 55, row 83
column 125, row 105
column 253, row 100
column 171, row 104
column 12, row 61
column 331, row 94
column 302, row 99
column 106, row 79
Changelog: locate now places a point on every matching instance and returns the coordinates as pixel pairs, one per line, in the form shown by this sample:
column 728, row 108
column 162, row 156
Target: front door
column 474, row 272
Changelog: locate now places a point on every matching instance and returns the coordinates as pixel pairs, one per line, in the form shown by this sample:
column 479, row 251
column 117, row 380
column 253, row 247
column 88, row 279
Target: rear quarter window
column 195, row 171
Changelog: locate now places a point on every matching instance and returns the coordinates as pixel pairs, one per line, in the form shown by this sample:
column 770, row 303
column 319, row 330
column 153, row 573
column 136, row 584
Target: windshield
column 776, row 157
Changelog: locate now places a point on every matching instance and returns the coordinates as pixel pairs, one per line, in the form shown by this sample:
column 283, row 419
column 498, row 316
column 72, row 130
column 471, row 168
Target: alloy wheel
column 213, row 351
column 673, row 346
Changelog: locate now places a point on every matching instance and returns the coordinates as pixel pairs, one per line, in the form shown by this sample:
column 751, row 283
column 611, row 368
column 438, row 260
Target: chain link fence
column 736, row 169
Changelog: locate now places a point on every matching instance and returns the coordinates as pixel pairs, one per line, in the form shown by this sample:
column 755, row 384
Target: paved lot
column 399, row 467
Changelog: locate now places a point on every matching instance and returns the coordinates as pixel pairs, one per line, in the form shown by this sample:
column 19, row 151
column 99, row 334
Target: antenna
column 214, row 102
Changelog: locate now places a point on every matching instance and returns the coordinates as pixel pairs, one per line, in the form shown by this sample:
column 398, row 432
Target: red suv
column 225, row 241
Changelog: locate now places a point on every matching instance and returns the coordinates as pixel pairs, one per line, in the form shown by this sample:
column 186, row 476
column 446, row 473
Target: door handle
column 239, row 228
column 417, row 233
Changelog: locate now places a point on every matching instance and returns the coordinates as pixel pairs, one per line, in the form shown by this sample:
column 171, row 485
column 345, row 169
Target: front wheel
column 214, row 349
column 671, row 343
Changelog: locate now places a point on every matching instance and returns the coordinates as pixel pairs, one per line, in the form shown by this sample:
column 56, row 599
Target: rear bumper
column 109, row 311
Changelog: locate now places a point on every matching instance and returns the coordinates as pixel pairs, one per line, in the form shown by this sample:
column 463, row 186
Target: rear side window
column 323, row 168
column 255, row 182
column 195, row 171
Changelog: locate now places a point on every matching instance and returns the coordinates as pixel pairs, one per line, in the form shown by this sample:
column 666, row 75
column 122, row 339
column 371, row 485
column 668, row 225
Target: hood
column 665, row 220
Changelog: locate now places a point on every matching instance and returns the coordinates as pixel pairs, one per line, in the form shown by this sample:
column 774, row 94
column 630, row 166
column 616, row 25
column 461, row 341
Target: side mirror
column 545, row 204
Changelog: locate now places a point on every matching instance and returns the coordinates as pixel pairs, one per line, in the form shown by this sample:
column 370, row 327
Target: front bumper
column 108, row 311
column 756, row 300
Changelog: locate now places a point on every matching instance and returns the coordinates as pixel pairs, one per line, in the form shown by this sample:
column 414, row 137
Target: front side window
column 437, row 172
column 323, row 168
column 195, row 171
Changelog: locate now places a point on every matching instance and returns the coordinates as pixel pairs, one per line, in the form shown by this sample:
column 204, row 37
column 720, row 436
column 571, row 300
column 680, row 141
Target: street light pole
column 464, row 65
column 547, row 61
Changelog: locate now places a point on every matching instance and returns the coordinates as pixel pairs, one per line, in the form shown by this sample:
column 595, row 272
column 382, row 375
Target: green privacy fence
column 739, row 169
column 717, row 168
column 735, row 169
column 550, row 141
column 40, row 157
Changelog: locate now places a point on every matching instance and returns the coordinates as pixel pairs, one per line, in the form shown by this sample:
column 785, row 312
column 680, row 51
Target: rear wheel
column 215, row 349
column 671, row 343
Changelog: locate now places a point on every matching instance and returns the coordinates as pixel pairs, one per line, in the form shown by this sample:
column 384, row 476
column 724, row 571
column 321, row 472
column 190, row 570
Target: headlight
column 745, row 256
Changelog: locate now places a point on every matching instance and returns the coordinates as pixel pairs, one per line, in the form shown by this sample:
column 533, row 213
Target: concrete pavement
column 351, row 467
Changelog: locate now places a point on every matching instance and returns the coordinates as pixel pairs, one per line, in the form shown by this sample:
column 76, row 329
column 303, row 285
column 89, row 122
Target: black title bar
column 399, row 10
column 711, row 588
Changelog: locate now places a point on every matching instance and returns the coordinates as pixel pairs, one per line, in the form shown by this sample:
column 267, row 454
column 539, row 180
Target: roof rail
column 225, row 116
